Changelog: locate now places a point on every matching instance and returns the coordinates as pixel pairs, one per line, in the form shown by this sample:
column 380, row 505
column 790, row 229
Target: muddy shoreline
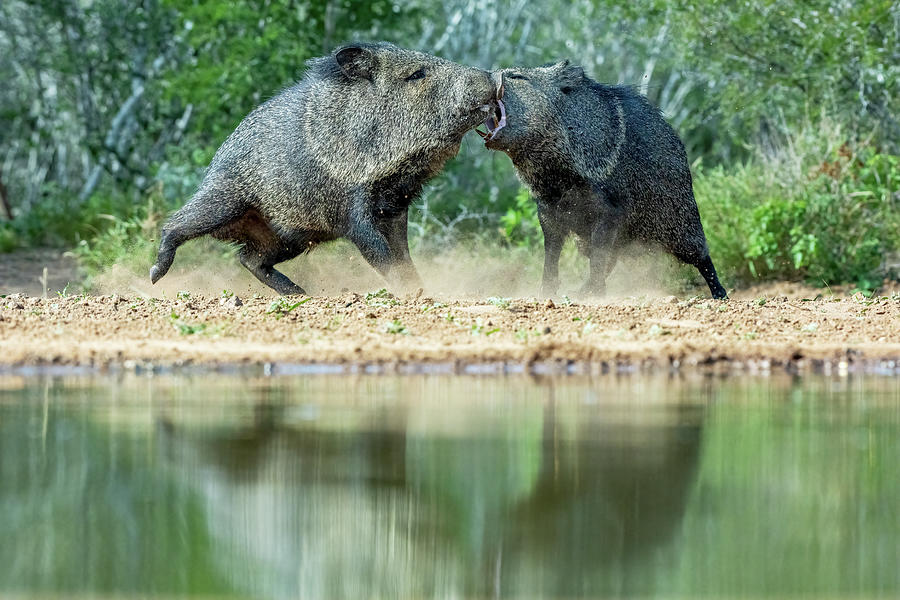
column 381, row 333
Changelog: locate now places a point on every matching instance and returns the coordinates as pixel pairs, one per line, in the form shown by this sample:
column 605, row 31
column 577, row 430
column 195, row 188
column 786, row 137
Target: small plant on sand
column 479, row 328
column 503, row 303
column 656, row 330
column 589, row 326
column 183, row 295
column 335, row 323
column 185, row 328
column 522, row 335
column 282, row 306
column 381, row 298
column 395, row 327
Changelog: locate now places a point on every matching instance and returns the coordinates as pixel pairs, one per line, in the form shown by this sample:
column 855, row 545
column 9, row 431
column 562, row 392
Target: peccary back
column 342, row 153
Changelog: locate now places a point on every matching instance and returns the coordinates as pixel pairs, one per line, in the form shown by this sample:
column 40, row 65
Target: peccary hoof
column 155, row 274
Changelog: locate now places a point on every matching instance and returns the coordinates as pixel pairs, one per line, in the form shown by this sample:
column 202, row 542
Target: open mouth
column 496, row 121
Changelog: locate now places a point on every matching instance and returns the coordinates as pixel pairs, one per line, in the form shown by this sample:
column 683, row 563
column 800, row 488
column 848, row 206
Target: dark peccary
column 342, row 153
column 603, row 165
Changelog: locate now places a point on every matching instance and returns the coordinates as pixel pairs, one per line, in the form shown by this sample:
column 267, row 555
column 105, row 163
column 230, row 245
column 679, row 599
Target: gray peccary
column 602, row 164
column 342, row 153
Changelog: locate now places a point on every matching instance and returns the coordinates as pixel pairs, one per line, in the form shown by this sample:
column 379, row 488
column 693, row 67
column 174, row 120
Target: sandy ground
column 758, row 329
column 36, row 272
column 458, row 325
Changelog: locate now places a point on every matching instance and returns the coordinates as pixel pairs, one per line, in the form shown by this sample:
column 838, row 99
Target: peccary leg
column 701, row 260
column 603, row 242
column 706, row 268
column 372, row 244
column 612, row 259
column 403, row 271
column 553, row 243
column 261, row 265
column 200, row 216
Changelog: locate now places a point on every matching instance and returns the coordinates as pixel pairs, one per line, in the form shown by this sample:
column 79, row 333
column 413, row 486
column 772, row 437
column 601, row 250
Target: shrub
column 815, row 210
column 520, row 225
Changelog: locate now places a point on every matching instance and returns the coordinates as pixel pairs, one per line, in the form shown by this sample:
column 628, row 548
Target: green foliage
column 520, row 225
column 127, row 239
column 501, row 303
column 283, row 306
column 395, row 327
column 185, row 328
column 767, row 63
column 244, row 52
column 9, row 239
column 824, row 217
column 381, row 297
column 480, row 328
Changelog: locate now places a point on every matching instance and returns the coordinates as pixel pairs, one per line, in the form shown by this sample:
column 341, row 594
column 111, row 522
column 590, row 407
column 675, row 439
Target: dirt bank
column 758, row 332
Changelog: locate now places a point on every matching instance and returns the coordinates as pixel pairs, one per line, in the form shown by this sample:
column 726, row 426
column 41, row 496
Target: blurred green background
column 111, row 110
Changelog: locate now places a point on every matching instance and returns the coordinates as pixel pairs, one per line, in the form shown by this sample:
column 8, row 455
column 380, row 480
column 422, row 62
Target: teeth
column 501, row 123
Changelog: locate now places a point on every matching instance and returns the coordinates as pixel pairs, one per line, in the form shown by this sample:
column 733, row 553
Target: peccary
column 602, row 164
column 342, row 153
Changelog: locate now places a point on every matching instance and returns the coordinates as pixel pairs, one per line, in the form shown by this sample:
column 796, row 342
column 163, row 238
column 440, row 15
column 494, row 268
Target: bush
column 520, row 225
column 816, row 210
column 9, row 240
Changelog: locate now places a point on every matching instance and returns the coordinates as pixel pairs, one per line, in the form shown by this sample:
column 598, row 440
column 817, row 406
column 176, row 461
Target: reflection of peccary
column 603, row 165
column 342, row 153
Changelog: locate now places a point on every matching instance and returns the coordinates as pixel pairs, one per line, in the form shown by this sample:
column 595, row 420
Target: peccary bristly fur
column 342, row 153
column 603, row 165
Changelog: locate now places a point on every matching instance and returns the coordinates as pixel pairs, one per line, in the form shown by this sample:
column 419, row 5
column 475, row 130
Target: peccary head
column 375, row 108
column 554, row 111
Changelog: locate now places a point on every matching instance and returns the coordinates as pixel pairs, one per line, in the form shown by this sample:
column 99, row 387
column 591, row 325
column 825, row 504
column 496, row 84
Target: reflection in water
column 449, row 487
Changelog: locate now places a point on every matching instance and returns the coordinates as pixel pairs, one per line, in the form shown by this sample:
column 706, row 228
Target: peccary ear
column 568, row 76
column 356, row 62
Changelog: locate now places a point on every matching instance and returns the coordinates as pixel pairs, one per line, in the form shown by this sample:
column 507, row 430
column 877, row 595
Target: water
column 442, row 486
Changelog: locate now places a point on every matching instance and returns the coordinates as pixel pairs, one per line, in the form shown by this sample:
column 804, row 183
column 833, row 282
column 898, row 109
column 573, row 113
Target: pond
column 436, row 486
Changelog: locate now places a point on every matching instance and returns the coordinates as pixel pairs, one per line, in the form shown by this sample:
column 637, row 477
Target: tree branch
column 4, row 200
column 109, row 142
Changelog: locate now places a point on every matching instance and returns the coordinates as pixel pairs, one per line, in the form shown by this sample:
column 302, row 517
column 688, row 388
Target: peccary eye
column 517, row 76
column 420, row 74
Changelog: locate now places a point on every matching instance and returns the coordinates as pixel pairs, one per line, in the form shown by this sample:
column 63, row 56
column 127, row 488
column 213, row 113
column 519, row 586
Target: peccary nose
column 490, row 89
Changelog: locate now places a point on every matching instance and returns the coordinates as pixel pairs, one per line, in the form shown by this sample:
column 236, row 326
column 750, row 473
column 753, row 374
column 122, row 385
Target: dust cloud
column 459, row 271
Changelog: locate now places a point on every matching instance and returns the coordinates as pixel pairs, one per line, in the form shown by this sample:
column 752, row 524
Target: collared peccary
column 342, row 153
column 603, row 165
